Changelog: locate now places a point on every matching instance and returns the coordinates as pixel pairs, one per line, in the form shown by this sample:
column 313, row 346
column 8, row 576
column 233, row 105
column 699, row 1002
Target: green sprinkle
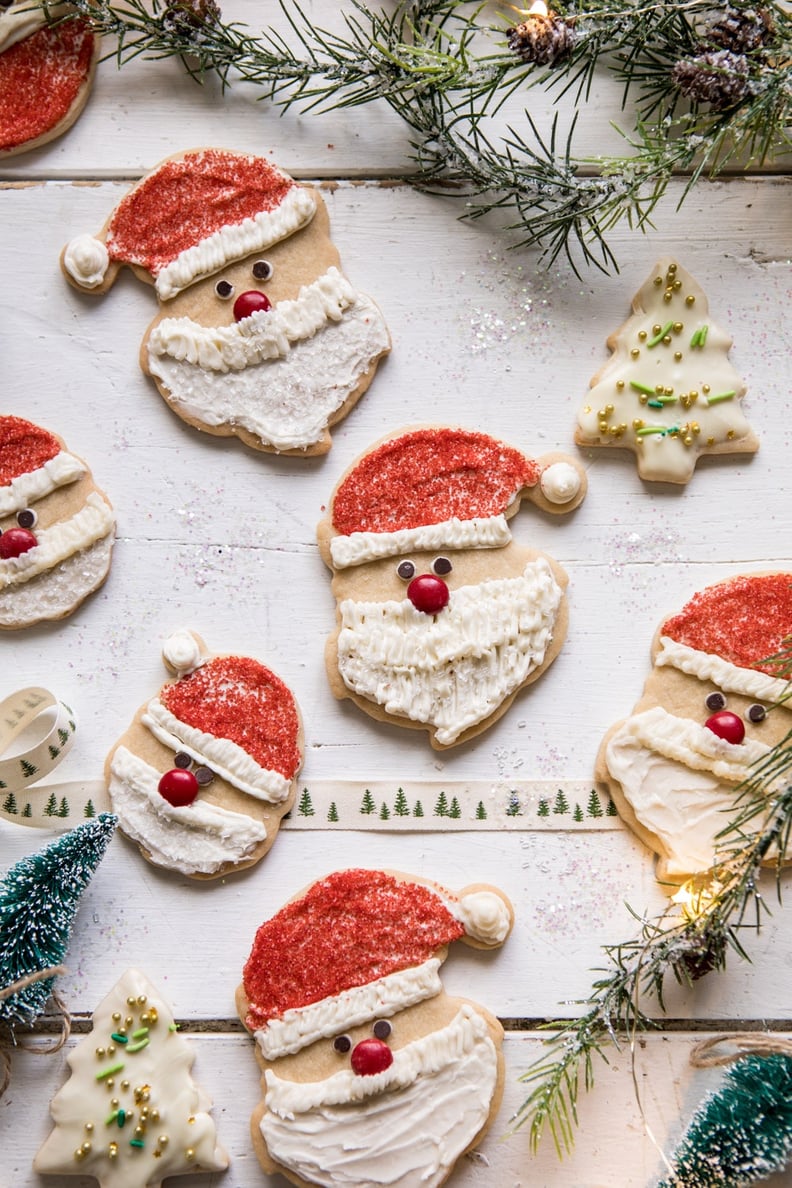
column 136, row 1047
column 109, row 1121
column 173, row 1027
column 121, row 1119
column 119, row 1039
column 720, row 397
column 699, row 337
column 639, row 387
column 646, row 429
column 110, row 1072
column 136, row 1143
column 654, row 403
column 141, row 1031
column 660, row 335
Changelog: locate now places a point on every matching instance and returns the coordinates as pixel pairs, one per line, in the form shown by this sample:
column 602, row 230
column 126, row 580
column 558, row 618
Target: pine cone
column 700, row 957
column 183, row 17
column 542, row 40
column 743, row 31
column 717, row 77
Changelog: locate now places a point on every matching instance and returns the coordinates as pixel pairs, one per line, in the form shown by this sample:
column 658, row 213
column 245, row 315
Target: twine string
column 704, row 1054
column 48, row 1049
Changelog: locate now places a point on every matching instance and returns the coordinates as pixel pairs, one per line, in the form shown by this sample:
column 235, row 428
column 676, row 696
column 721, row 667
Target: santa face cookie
column 56, row 527
column 45, row 75
column 261, row 335
column 207, row 769
column 131, row 1114
column 710, row 710
column 372, row 1074
column 442, row 618
column 669, row 392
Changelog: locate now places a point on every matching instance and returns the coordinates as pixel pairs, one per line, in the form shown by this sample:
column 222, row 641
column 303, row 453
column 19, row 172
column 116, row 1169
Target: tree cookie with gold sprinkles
column 669, row 392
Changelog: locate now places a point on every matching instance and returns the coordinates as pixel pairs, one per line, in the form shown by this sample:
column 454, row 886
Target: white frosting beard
column 405, row 1126
column 679, row 778
column 280, row 375
column 197, row 838
column 452, row 670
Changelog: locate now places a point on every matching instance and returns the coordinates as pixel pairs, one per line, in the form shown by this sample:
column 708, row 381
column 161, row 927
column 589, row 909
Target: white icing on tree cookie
column 669, row 392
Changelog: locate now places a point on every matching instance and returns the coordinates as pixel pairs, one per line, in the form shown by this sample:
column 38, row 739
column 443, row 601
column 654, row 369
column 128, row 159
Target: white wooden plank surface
column 482, row 337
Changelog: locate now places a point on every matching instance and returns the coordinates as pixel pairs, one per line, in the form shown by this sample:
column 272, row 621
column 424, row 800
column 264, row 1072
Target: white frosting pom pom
column 86, row 260
column 182, row 652
column 486, row 917
column 560, row 482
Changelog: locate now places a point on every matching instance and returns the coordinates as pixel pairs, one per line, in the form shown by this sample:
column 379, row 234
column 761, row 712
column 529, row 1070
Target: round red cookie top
column 41, row 77
column 24, row 447
column 744, row 620
column 430, row 476
column 237, row 698
column 186, row 200
column 349, row 929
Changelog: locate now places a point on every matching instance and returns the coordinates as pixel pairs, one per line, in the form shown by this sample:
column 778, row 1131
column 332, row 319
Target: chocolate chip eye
column 204, row 775
column 715, row 701
column 405, row 570
column 224, row 290
column 441, row 566
column 382, row 1029
column 756, row 713
column 342, row 1044
column 27, row 518
column 182, row 759
column 262, row 270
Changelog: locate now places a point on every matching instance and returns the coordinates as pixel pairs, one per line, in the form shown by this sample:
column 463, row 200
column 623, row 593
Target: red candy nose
column 370, row 1056
column 727, row 726
column 249, row 303
column 428, row 593
column 16, row 541
column 178, row 787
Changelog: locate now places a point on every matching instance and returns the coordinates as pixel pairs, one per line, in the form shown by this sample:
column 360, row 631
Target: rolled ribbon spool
column 23, row 799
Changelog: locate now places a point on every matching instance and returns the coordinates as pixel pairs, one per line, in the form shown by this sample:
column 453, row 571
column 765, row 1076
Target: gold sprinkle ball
column 690, row 299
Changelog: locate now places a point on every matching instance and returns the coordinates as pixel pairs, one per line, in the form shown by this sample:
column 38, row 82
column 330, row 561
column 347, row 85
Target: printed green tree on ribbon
column 305, row 807
column 401, row 808
column 441, row 807
column 543, row 808
column 10, row 804
column 332, row 812
column 481, row 812
column 594, row 808
column 561, row 803
column 39, row 898
column 454, row 811
column 368, row 805
column 418, row 810
column 51, row 807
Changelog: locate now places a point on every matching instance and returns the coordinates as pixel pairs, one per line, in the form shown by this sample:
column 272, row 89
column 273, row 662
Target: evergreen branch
column 686, row 946
column 446, row 70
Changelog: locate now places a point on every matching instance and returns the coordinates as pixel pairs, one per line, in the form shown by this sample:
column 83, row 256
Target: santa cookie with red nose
column 260, row 335
column 207, row 769
column 711, row 709
column 56, row 527
column 442, row 617
column 372, row 1074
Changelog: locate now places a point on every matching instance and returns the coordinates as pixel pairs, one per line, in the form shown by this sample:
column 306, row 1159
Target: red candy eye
column 727, row 726
column 178, row 787
column 371, row 1056
column 16, row 541
column 428, row 593
column 249, row 303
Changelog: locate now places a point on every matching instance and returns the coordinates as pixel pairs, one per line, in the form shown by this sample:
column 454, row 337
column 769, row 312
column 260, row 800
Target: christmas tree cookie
column 208, row 767
column 131, row 1113
column 46, row 73
column 372, row 1074
column 669, row 392
column 39, row 898
column 442, row 617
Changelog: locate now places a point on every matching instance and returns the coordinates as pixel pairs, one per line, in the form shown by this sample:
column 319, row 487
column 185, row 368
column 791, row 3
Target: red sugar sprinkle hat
column 190, row 217
column 357, row 945
column 439, row 487
column 32, row 464
column 231, row 714
column 729, row 632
